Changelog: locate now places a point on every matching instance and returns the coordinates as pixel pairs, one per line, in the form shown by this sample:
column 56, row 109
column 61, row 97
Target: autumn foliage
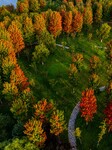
column 18, row 78
column 108, row 115
column 16, row 37
column 67, row 21
column 39, row 24
column 45, row 114
column 42, row 108
column 77, row 22
column 88, row 16
column 23, row 6
column 35, row 132
column 55, row 23
column 88, row 105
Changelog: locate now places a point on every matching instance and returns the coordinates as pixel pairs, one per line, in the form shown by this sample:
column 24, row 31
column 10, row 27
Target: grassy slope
column 52, row 82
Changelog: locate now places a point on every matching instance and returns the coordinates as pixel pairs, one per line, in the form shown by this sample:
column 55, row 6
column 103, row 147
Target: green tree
column 104, row 31
column 40, row 54
column 28, row 30
column 20, row 144
column 34, row 5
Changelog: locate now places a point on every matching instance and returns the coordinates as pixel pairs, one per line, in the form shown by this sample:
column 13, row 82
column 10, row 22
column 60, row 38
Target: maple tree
column 55, row 23
column 88, row 105
column 16, row 37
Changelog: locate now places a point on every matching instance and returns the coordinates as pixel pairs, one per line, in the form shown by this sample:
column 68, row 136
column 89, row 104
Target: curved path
column 71, row 127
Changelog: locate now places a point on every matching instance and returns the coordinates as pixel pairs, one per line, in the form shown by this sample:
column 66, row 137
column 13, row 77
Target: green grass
column 52, row 82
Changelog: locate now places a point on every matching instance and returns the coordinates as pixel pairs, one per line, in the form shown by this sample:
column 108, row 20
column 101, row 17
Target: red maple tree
column 88, row 104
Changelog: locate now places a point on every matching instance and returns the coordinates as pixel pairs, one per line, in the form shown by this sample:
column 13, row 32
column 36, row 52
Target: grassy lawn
column 52, row 82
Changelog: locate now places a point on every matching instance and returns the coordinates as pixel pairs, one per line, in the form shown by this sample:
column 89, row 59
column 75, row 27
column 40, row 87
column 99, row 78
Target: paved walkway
column 71, row 127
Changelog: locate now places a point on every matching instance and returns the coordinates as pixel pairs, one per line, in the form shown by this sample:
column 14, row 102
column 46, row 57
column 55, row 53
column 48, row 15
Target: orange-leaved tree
column 16, row 37
column 77, row 22
column 67, row 21
column 17, row 76
column 88, row 105
column 35, row 132
column 55, row 23
column 42, row 108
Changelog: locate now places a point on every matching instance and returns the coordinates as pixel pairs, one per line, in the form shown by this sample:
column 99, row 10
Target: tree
column 88, row 105
column 23, row 6
column 88, row 16
column 39, row 24
column 16, row 37
column 28, row 30
column 57, row 122
column 104, row 31
column 42, row 108
column 77, row 22
column 94, row 80
column 19, row 144
column 103, row 131
column 98, row 12
column 7, row 55
column 108, row 115
column 47, row 39
column 34, row 5
column 40, row 54
column 77, row 59
column 42, row 3
column 55, row 23
column 67, row 22
column 35, row 132
column 18, row 78
column 94, row 63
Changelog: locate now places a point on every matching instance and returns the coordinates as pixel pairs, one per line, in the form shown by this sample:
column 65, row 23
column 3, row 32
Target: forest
column 56, row 64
